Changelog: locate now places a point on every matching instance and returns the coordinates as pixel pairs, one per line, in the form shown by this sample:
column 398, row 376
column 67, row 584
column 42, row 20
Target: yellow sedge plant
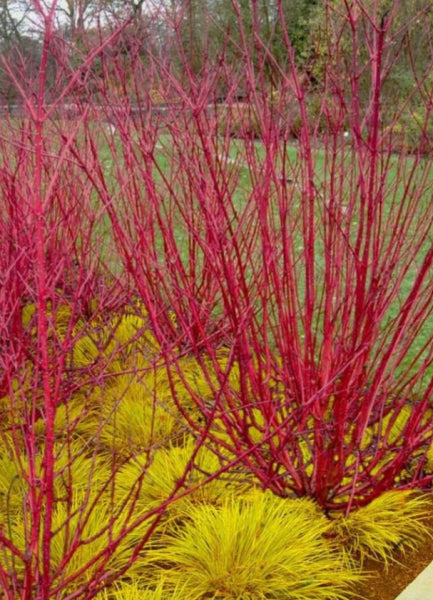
column 89, row 512
column 157, row 479
column 60, row 319
column 139, row 590
column 84, row 527
column 256, row 548
column 75, row 470
column 395, row 520
column 127, row 419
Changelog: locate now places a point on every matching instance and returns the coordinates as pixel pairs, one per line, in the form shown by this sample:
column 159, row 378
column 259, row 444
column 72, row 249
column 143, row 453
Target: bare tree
column 13, row 17
column 76, row 16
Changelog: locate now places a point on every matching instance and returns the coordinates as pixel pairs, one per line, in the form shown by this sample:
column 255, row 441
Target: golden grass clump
column 74, row 471
column 12, row 490
column 219, row 537
column 88, row 514
column 69, row 419
column 130, row 333
column 141, row 410
column 61, row 320
column 94, row 346
column 126, row 418
column 429, row 459
column 125, row 341
column 394, row 520
column 84, row 527
column 12, row 410
column 159, row 476
column 258, row 548
column 191, row 382
column 139, row 590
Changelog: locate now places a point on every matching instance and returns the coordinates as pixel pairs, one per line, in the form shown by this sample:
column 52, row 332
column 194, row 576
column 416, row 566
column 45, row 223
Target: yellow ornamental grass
column 256, row 429
column 94, row 347
column 127, row 345
column 27, row 402
column 86, row 531
column 60, row 321
column 12, row 410
column 124, row 342
column 191, row 381
column 258, row 548
column 12, row 487
column 127, row 418
column 78, row 469
column 98, row 524
column 140, row 411
column 130, row 333
column 25, row 395
column 396, row 519
column 88, row 512
column 429, row 459
column 74, row 471
column 159, row 477
column 69, row 418
column 139, row 590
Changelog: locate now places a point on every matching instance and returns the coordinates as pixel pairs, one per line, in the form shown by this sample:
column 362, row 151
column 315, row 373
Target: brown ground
column 387, row 584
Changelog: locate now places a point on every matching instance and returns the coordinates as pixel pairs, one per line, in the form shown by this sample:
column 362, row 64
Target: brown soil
column 387, row 583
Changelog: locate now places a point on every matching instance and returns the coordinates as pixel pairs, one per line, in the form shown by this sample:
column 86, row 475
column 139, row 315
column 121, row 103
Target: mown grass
column 246, row 173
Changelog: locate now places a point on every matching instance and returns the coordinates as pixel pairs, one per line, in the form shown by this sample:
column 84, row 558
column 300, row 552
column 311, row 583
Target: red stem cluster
column 299, row 271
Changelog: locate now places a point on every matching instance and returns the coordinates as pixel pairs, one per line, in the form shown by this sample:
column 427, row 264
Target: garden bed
column 386, row 582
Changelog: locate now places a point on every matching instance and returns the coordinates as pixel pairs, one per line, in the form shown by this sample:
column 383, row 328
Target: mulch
column 386, row 583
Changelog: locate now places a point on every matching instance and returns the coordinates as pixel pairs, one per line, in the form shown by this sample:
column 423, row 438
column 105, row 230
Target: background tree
column 12, row 19
column 408, row 39
column 219, row 30
column 18, row 45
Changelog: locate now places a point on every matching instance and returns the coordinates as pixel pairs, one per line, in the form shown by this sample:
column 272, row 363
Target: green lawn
column 171, row 161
